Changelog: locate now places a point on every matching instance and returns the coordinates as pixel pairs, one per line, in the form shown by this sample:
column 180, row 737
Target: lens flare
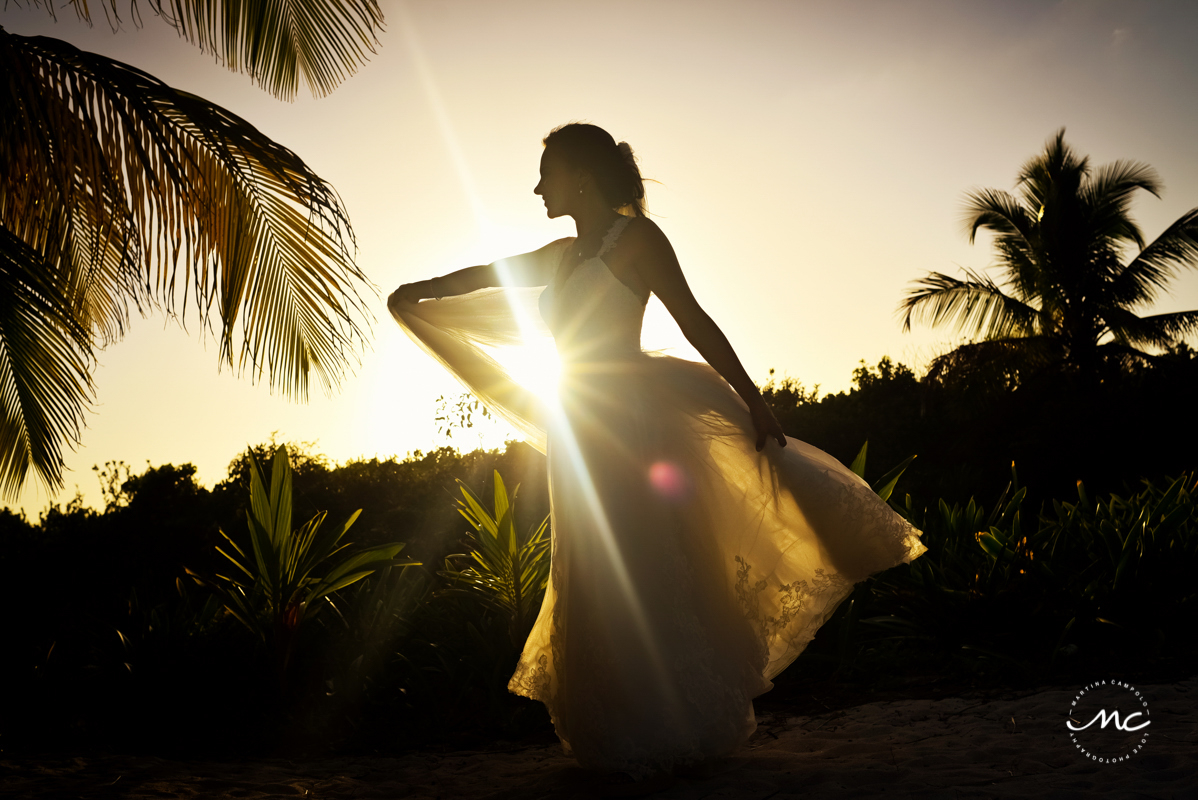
column 668, row 480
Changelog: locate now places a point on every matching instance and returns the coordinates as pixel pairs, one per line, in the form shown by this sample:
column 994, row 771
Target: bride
column 695, row 548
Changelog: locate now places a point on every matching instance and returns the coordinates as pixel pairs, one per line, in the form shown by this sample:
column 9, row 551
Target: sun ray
column 563, row 436
column 432, row 94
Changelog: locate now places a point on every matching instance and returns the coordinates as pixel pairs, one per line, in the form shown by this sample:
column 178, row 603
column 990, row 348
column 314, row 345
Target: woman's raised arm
column 658, row 266
column 527, row 269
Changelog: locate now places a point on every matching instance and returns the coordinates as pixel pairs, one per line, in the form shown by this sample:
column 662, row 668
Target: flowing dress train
column 687, row 569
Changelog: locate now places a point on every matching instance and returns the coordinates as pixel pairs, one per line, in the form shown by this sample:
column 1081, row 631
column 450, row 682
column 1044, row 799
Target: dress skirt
column 687, row 569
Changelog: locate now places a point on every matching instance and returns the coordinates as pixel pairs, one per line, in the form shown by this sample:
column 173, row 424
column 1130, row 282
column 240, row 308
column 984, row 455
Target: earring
column 580, row 188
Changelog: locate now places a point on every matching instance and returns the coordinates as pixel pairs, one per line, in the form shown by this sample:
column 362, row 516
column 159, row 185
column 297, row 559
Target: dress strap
column 613, row 233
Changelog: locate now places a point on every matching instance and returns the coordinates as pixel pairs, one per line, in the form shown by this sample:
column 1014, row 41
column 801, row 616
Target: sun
column 534, row 366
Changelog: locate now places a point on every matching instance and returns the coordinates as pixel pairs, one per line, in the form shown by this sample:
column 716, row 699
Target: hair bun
column 611, row 164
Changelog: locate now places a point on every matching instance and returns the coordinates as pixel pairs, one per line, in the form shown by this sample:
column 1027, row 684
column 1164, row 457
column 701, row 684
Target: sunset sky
column 812, row 158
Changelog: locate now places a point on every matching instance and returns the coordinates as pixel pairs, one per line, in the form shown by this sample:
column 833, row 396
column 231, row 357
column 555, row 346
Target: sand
column 958, row 747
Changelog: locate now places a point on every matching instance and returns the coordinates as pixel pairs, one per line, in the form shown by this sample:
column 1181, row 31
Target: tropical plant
column 170, row 624
column 1029, row 594
column 109, row 179
column 362, row 660
column 1125, row 554
column 291, row 573
column 883, row 486
column 972, row 588
column 1066, row 295
column 509, row 572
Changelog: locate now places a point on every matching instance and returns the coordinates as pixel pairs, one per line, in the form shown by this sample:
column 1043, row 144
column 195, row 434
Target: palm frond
column 277, row 43
column 1127, row 357
column 1157, row 264
column 45, row 360
column 1055, row 172
column 1160, row 330
column 977, row 307
column 1175, row 324
column 154, row 176
column 1107, row 197
column 997, row 211
column 1017, row 236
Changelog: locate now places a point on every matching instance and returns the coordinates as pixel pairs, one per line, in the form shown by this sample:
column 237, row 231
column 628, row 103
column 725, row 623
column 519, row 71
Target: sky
column 810, row 161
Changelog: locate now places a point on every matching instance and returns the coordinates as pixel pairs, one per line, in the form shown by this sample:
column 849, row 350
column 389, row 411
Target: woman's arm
column 654, row 258
column 527, row 269
column 462, row 281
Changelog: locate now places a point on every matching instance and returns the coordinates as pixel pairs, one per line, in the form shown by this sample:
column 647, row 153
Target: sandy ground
column 960, row 747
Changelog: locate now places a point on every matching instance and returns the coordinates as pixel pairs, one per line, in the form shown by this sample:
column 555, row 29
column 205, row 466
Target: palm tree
column 118, row 190
column 1066, row 295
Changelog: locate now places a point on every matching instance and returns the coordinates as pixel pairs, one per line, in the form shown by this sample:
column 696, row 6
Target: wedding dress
column 687, row 569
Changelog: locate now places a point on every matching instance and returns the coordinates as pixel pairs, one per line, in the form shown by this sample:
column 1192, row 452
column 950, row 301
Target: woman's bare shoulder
column 648, row 245
column 642, row 227
column 646, row 238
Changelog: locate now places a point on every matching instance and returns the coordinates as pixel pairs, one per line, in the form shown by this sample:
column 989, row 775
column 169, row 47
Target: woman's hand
column 407, row 293
column 463, row 281
column 765, row 424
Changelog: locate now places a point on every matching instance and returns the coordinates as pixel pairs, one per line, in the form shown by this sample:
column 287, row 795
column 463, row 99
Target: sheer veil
column 470, row 334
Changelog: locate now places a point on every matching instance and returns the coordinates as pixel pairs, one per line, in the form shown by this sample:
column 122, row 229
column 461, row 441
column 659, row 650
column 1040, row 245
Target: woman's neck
column 594, row 221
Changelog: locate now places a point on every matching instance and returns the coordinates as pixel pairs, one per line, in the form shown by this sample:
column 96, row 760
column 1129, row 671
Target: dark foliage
column 108, row 640
column 968, row 425
column 107, row 636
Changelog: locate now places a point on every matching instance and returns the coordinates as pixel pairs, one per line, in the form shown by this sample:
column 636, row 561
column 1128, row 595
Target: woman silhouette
column 696, row 548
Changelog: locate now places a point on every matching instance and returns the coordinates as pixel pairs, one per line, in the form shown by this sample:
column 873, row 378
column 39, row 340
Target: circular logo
column 1108, row 721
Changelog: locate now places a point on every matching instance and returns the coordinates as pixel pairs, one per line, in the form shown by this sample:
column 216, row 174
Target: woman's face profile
column 555, row 184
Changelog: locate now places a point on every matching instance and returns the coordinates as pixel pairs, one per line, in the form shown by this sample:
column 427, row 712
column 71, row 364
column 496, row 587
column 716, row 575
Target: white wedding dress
column 687, row 569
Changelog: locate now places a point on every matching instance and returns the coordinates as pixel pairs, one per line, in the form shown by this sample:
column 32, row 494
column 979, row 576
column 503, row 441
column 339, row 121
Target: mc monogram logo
column 1108, row 721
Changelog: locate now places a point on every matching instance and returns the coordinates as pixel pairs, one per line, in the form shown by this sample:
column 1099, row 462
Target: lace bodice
column 594, row 315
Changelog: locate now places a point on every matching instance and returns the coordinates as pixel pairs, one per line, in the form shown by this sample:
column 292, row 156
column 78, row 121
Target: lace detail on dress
column 593, row 314
column 876, row 538
column 786, row 638
column 613, row 233
column 531, row 680
column 536, row 679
